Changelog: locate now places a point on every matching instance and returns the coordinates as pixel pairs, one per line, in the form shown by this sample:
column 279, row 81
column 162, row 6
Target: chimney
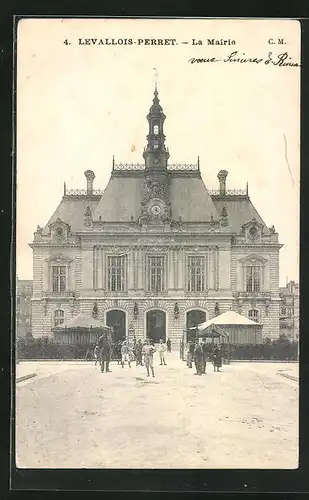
column 89, row 174
column 222, row 175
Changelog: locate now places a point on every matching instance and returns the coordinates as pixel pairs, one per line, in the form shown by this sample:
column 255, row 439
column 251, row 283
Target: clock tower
column 156, row 154
column 156, row 207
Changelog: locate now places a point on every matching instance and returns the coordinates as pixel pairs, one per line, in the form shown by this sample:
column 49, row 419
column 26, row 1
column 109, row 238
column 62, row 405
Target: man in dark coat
column 105, row 353
column 169, row 345
column 204, row 347
column 198, row 358
column 138, row 352
column 191, row 353
column 216, row 356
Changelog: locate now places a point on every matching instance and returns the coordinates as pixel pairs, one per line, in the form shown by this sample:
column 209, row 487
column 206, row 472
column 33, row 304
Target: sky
column 79, row 104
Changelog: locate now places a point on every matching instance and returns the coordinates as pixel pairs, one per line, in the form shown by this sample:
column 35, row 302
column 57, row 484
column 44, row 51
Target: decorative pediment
column 253, row 229
column 253, row 259
column 59, row 222
column 58, row 259
column 59, row 229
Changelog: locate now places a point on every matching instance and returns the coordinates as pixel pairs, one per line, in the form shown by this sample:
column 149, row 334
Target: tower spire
column 156, row 74
column 156, row 153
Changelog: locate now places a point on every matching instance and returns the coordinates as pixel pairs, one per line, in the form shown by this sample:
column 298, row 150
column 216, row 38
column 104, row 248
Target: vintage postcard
column 157, row 305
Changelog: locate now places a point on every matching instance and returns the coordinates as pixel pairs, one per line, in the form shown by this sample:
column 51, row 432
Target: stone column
column 99, row 268
column 170, row 284
column 140, row 269
column 134, row 264
column 181, row 269
column 175, row 266
column 130, row 271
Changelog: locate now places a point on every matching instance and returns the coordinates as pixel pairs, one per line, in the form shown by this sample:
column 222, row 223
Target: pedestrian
column 216, row 356
column 187, row 353
column 105, row 353
column 169, row 345
column 190, row 354
column 118, row 352
column 148, row 351
column 131, row 351
column 96, row 354
column 162, row 350
column 138, row 352
column 125, row 354
column 198, row 358
column 204, row 348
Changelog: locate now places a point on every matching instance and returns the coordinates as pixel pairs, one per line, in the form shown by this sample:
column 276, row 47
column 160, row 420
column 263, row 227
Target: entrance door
column 156, row 325
column 194, row 318
column 117, row 319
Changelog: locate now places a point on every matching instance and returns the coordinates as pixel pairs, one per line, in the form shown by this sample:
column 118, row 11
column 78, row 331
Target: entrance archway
column 195, row 317
column 117, row 319
column 156, row 325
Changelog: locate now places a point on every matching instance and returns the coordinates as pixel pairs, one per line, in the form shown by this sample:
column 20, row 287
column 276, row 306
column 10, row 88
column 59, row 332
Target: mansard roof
column 123, row 195
column 240, row 210
column 121, row 200
column 71, row 210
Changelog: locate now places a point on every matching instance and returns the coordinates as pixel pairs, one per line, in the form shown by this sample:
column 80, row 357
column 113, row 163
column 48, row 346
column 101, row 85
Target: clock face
column 156, row 209
column 253, row 232
column 59, row 232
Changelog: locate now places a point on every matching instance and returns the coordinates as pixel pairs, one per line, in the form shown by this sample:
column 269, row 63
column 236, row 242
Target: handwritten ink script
column 237, row 57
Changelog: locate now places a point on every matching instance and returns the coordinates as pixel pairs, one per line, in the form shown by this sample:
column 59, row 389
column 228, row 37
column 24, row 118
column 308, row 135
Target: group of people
column 198, row 352
column 126, row 352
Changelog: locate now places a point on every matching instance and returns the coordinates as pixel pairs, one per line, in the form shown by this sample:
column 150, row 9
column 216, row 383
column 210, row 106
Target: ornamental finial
column 156, row 74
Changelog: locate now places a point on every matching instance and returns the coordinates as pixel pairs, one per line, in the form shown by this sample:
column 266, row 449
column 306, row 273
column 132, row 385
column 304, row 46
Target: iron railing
column 183, row 166
column 141, row 166
column 129, row 166
column 228, row 192
column 83, row 192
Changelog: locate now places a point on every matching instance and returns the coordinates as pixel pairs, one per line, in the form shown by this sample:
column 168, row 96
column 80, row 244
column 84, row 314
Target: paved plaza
column 70, row 415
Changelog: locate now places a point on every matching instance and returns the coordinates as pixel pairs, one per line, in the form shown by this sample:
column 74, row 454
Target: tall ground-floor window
column 58, row 317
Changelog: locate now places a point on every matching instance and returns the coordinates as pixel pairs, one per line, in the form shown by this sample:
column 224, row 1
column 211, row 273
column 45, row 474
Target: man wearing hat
column 148, row 351
column 104, row 353
column 162, row 350
column 198, row 358
column 204, row 348
column 125, row 354
column 216, row 356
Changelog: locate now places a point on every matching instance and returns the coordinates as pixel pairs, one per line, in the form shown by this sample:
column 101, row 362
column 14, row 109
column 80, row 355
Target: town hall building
column 156, row 251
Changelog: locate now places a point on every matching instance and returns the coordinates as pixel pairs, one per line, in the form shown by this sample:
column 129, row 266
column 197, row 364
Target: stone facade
column 289, row 310
column 155, row 240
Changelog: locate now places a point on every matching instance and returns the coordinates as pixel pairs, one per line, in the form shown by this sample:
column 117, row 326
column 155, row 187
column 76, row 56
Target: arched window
column 254, row 315
column 58, row 317
column 156, row 129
